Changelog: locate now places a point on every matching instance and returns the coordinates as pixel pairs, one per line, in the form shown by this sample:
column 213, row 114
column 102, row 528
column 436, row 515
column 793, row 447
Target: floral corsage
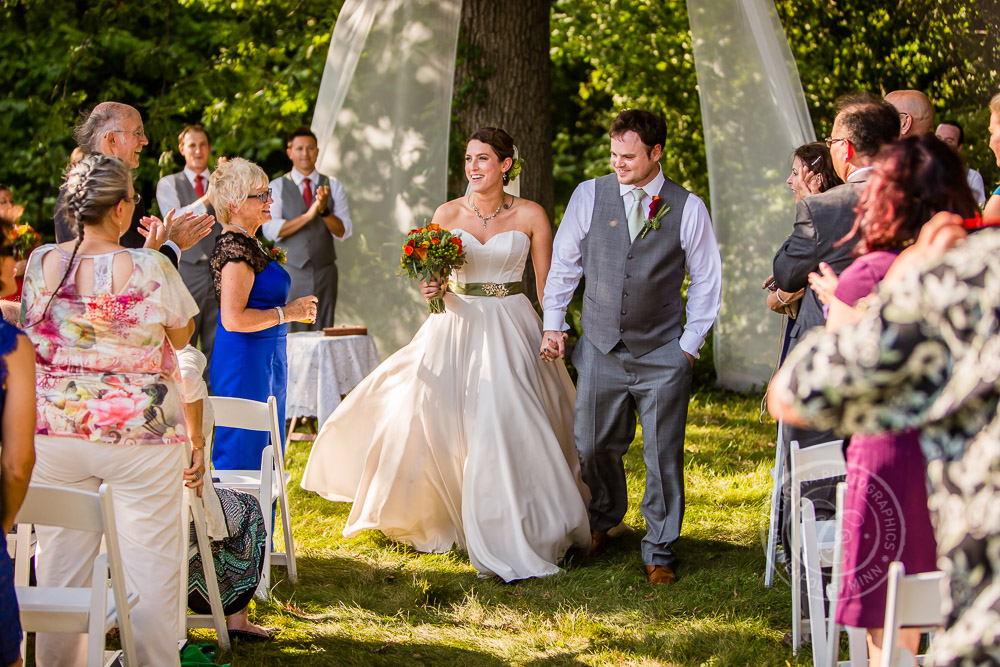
column 275, row 252
column 656, row 211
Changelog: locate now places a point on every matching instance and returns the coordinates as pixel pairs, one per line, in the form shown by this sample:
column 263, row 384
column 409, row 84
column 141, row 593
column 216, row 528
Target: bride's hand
column 553, row 345
column 430, row 289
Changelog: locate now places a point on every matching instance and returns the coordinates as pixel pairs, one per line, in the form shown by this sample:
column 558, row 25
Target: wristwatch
column 325, row 212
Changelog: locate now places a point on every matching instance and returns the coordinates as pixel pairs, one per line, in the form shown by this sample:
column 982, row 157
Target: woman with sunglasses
column 248, row 360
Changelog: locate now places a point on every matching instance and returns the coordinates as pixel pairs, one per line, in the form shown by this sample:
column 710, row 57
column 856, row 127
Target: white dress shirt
column 167, row 198
column 701, row 259
column 337, row 203
column 975, row 180
column 859, row 174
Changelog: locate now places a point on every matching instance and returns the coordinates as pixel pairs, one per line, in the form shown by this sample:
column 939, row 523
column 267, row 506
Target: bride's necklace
column 472, row 202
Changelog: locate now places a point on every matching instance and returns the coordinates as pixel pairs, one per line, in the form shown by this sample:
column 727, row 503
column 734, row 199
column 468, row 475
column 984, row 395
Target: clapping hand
column 322, row 198
column 824, row 283
column 155, row 231
column 189, row 228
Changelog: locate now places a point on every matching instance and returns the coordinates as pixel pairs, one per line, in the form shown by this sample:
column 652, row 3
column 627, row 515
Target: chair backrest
column 62, row 507
column 242, row 413
column 911, row 601
column 818, row 461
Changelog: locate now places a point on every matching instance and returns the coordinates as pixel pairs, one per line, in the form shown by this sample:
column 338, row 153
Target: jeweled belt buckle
column 495, row 289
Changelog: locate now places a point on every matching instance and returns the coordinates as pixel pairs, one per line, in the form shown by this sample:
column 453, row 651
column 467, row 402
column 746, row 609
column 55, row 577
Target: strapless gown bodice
column 500, row 259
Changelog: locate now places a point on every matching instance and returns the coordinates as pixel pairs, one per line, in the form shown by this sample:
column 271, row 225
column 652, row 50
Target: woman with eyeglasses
column 248, row 360
column 105, row 320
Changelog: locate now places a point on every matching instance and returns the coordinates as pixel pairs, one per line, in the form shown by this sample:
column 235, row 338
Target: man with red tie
column 185, row 191
column 308, row 213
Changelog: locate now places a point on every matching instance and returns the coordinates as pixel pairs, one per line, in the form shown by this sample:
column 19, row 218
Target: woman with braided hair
column 103, row 319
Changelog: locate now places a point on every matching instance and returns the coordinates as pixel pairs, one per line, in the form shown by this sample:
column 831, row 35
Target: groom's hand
column 690, row 358
column 553, row 345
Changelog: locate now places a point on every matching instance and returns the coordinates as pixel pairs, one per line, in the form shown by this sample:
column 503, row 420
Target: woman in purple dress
column 885, row 515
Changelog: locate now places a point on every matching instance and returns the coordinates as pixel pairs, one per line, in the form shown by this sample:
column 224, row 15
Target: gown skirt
column 462, row 438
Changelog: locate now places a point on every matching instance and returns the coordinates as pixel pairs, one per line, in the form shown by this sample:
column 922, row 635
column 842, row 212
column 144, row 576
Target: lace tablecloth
column 321, row 369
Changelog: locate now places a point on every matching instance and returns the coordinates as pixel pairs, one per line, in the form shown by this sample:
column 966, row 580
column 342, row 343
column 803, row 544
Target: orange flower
column 457, row 241
column 421, row 252
column 433, row 227
column 408, row 250
column 435, row 240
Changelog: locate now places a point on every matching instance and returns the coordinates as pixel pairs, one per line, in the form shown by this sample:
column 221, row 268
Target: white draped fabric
column 382, row 118
column 754, row 113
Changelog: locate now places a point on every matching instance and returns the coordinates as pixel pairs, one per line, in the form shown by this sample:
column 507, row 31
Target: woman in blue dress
column 17, row 445
column 248, row 360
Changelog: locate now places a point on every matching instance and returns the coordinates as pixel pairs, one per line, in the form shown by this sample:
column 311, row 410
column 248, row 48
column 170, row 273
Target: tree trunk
column 503, row 79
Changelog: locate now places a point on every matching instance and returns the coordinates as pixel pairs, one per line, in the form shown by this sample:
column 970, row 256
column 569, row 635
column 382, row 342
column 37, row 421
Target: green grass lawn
column 370, row 601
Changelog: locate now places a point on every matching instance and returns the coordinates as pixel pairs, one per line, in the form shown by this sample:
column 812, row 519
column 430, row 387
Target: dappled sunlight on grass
column 370, row 601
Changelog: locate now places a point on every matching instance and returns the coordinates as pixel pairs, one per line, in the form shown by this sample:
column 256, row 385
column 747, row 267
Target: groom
column 636, row 350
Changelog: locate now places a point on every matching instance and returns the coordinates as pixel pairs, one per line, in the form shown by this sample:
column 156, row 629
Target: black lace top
column 235, row 247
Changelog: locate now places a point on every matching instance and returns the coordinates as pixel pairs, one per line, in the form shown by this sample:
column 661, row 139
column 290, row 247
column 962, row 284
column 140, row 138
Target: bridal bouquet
column 431, row 253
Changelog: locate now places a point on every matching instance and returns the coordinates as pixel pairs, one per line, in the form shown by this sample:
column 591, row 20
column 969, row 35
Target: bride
column 465, row 436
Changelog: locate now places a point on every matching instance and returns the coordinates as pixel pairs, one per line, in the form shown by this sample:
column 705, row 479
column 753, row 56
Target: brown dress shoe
column 597, row 539
column 660, row 574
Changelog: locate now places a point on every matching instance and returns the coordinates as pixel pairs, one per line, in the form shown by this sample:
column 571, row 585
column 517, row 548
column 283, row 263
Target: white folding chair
column 217, row 619
column 21, row 549
column 94, row 610
column 774, row 525
column 268, row 484
column 810, row 464
column 913, row 600
column 856, row 637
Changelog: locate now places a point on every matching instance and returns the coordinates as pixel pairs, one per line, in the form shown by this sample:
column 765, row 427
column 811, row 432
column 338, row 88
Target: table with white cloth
column 322, row 369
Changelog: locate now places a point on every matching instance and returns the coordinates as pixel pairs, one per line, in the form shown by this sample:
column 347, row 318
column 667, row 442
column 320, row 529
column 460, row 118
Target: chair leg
column 774, row 527
column 814, row 583
column 208, row 566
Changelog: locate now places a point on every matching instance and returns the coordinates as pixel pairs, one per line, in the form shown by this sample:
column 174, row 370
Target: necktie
column 199, row 186
column 635, row 219
column 307, row 192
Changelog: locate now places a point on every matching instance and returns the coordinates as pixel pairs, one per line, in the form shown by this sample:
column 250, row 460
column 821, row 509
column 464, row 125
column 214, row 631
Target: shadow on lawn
column 338, row 650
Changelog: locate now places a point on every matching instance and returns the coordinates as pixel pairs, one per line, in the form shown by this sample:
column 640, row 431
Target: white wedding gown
column 464, row 437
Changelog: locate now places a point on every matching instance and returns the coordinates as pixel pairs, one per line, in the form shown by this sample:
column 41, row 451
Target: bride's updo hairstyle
column 501, row 143
column 231, row 182
column 93, row 186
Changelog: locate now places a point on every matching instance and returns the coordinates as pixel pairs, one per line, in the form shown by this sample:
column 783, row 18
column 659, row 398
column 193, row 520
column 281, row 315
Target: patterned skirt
column 238, row 559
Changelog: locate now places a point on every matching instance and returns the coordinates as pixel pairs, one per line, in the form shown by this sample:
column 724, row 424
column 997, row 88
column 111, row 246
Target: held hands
column 301, row 310
column 553, row 345
column 824, row 283
column 194, row 477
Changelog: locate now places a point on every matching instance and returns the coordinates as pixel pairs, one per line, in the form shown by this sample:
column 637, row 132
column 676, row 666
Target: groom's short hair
column 302, row 131
column 652, row 129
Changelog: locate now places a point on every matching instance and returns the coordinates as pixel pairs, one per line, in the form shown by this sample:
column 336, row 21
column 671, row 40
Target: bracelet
column 281, row 314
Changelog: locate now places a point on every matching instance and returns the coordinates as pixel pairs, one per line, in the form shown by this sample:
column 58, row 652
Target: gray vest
column 314, row 242
column 186, row 195
column 633, row 290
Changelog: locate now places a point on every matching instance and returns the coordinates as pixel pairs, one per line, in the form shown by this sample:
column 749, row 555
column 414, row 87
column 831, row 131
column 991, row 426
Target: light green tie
column 635, row 219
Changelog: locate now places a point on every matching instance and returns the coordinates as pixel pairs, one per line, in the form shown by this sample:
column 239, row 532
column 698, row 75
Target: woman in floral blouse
column 927, row 355
column 109, row 409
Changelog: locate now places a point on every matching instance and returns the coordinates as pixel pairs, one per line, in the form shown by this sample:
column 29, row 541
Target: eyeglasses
column 140, row 133
column 263, row 196
column 830, row 141
column 136, row 198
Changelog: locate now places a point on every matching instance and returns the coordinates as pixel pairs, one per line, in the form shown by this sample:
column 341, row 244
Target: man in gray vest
column 308, row 213
column 184, row 192
column 636, row 349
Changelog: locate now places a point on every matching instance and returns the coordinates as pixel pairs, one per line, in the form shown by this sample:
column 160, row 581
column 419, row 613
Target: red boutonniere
column 278, row 254
column 656, row 211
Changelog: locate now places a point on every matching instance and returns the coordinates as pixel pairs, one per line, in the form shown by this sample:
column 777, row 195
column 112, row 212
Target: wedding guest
column 105, row 320
column 951, row 133
column 176, row 192
column 916, row 115
column 116, row 130
column 252, row 289
column 812, row 173
column 912, row 181
column 465, row 436
column 17, row 448
column 924, row 356
column 992, row 208
column 12, row 213
column 235, row 523
column 309, row 212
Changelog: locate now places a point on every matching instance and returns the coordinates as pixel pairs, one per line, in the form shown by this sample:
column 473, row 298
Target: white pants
column 145, row 481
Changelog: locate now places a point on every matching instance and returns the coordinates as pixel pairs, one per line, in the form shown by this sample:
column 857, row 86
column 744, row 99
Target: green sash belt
column 499, row 290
